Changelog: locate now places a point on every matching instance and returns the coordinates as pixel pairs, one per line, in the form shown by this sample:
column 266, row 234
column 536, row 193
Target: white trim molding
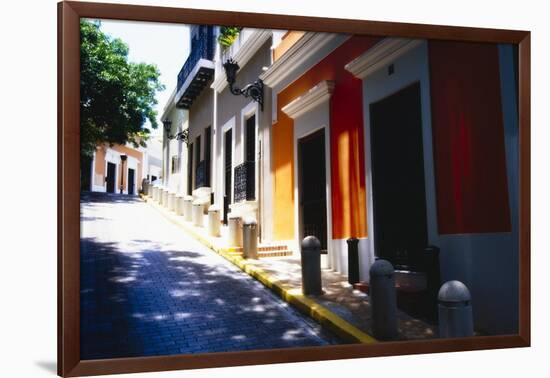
column 315, row 96
column 243, row 54
column 411, row 66
column 302, row 51
column 170, row 104
column 316, row 117
column 380, row 55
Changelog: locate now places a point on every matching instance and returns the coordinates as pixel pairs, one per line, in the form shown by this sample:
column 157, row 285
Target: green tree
column 116, row 96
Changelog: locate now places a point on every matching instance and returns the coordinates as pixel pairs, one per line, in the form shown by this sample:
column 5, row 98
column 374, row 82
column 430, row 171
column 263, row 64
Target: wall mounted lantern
column 254, row 90
column 182, row 135
column 167, row 126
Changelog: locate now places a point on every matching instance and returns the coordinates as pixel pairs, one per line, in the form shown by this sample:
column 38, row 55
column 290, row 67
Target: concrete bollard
column 145, row 187
column 234, row 227
column 455, row 310
column 188, row 208
column 353, row 260
column 179, row 204
column 250, row 238
column 383, row 300
column 165, row 197
column 161, row 195
column 154, row 192
column 198, row 213
column 311, row 266
column 214, row 221
column 172, row 201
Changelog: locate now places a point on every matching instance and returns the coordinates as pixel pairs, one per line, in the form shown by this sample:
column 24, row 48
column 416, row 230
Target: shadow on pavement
column 158, row 302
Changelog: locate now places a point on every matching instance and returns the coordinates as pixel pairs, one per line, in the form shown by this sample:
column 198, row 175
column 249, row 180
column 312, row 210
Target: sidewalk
column 343, row 310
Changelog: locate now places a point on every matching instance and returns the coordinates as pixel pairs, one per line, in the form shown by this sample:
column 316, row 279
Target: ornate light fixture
column 254, row 90
column 182, row 135
column 167, row 125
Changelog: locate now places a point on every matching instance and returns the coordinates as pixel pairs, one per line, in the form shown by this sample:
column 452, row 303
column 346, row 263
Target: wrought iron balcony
column 245, row 181
column 198, row 69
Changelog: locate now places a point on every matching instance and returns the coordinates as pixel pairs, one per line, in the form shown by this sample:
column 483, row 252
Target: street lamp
column 254, row 90
column 122, row 160
column 182, row 135
column 167, row 127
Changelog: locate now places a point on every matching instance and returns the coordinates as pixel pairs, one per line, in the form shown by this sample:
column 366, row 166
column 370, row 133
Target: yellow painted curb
column 290, row 295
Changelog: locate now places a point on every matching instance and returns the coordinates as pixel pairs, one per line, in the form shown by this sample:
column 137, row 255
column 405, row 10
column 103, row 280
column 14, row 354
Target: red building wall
column 349, row 216
column 468, row 138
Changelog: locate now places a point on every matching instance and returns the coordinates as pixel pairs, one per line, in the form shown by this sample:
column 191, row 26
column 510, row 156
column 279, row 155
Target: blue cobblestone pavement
column 149, row 289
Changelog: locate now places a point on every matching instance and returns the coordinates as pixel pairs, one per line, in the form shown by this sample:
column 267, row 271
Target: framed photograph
column 240, row 188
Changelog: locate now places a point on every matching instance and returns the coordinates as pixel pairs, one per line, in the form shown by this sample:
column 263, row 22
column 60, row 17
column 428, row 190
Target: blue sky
column 166, row 45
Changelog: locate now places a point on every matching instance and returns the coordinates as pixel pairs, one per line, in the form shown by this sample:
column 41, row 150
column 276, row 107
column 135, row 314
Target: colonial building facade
column 402, row 144
column 117, row 169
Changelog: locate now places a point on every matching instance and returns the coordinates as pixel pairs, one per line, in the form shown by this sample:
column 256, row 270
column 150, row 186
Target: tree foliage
column 116, row 96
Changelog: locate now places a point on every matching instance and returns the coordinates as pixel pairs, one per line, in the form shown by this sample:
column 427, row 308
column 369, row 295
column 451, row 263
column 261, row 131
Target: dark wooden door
column 312, row 186
column 190, row 169
column 399, row 196
column 228, row 163
column 111, row 169
column 250, row 158
column 207, row 154
column 131, row 180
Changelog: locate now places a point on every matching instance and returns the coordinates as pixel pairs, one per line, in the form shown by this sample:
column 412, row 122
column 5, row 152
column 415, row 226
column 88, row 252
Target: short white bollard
column 235, row 234
column 172, row 201
column 214, row 221
column 198, row 213
column 250, row 238
column 179, row 204
column 165, row 197
column 188, row 208
column 455, row 310
column 161, row 194
column 383, row 300
column 156, row 194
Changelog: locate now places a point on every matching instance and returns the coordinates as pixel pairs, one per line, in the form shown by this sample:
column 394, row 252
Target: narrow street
column 149, row 289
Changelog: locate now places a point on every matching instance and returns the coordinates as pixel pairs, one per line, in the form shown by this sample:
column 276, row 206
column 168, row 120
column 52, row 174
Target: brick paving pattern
column 339, row 297
column 148, row 289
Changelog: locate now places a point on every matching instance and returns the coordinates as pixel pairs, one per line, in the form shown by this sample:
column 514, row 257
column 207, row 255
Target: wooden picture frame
column 69, row 13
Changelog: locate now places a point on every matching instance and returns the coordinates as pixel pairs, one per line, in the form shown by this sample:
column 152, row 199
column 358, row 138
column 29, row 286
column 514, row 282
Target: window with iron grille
column 175, row 167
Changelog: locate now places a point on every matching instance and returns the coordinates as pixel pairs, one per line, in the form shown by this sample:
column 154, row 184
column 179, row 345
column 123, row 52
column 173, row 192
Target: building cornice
column 381, row 54
column 313, row 97
column 305, row 48
column 170, row 104
column 243, row 55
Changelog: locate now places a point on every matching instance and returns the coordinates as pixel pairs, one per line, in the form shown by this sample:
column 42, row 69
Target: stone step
column 265, row 248
column 262, row 254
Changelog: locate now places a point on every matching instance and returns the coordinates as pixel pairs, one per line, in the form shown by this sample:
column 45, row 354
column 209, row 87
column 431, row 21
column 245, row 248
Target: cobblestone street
column 148, row 289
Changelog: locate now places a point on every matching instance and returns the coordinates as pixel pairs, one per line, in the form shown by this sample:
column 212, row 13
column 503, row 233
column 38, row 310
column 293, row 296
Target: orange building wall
column 99, row 169
column 349, row 216
column 288, row 40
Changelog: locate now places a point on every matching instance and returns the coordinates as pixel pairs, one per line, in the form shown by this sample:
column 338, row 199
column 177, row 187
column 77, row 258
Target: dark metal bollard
column 353, row 260
column 311, row 266
column 433, row 277
column 250, row 238
column 383, row 300
column 455, row 310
